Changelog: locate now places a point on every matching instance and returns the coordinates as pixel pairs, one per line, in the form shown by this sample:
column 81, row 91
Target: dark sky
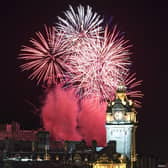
column 145, row 24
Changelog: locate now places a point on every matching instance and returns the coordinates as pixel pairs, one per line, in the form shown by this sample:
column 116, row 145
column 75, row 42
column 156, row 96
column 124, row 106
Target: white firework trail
column 100, row 65
column 81, row 24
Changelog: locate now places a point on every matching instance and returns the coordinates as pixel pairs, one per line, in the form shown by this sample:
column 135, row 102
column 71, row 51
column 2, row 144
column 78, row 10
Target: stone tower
column 121, row 124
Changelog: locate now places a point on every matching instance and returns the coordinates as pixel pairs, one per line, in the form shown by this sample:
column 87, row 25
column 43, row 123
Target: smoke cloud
column 68, row 119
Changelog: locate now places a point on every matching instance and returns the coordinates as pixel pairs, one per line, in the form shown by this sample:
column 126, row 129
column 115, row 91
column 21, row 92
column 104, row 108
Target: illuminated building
column 43, row 141
column 120, row 151
column 105, row 162
column 121, row 125
column 13, row 131
column 14, row 139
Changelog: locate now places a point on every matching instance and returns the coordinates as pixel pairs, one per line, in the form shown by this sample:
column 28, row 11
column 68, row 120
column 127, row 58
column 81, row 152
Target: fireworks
column 45, row 57
column 81, row 24
column 90, row 60
column 81, row 53
column 101, row 65
column 132, row 84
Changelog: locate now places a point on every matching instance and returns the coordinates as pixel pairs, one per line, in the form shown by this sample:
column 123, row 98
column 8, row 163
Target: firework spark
column 101, row 65
column 45, row 57
column 132, row 84
column 81, row 24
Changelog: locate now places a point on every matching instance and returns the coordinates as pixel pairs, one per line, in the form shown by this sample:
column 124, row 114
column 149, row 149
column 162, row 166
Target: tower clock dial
column 118, row 115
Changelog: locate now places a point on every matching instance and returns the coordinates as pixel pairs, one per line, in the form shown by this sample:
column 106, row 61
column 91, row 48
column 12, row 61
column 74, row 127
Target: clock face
column 118, row 115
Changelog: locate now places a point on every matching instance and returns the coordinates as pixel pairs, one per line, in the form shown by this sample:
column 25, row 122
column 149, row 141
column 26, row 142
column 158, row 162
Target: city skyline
column 136, row 22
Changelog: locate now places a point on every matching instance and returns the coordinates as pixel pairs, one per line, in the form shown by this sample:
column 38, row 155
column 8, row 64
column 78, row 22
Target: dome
column 118, row 106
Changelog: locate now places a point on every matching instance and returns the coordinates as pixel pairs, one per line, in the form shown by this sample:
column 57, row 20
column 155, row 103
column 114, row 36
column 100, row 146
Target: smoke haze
column 68, row 119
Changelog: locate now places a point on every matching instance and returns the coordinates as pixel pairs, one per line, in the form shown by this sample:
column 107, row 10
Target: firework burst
column 100, row 65
column 79, row 25
column 83, row 55
column 45, row 57
column 132, row 85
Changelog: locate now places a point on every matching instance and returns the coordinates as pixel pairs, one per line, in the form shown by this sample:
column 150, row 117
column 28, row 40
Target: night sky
column 145, row 25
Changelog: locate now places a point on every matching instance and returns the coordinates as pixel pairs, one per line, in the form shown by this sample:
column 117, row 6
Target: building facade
column 121, row 125
column 120, row 151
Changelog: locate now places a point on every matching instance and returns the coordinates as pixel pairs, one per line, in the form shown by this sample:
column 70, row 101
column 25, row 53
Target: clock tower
column 121, row 124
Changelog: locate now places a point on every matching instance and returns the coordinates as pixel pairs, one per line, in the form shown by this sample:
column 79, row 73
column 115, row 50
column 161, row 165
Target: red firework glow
column 60, row 114
column 92, row 121
column 66, row 121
